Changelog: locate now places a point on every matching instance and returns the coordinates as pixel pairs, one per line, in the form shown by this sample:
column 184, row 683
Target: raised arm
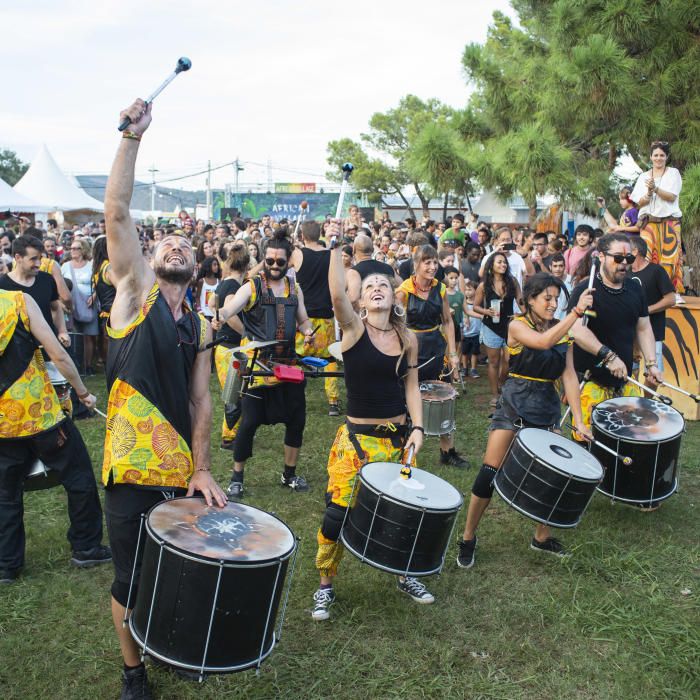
column 130, row 272
column 342, row 307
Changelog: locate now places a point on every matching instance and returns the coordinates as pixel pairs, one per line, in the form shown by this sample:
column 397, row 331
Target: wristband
column 83, row 396
column 203, row 469
column 603, row 353
column 131, row 135
column 418, row 427
column 577, row 312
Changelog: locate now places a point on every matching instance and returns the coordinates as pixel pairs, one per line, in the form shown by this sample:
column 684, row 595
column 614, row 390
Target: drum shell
column 439, row 416
column 40, row 477
column 182, row 608
column 386, row 539
column 638, row 483
column 538, row 490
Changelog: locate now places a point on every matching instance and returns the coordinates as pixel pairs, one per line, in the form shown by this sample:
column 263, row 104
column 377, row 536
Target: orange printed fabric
column 141, row 447
column 30, row 406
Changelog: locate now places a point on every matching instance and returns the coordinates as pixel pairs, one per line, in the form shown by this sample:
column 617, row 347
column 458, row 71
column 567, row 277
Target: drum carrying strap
column 396, row 433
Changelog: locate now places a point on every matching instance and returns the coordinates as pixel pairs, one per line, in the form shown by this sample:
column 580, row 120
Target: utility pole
column 269, row 175
column 153, row 172
column 209, row 212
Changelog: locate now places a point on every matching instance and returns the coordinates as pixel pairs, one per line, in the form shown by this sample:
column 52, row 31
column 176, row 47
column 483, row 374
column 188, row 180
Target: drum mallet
column 183, row 64
column 664, row 399
column 406, row 467
column 347, row 171
column 625, row 460
column 589, row 313
column 304, row 205
column 695, row 397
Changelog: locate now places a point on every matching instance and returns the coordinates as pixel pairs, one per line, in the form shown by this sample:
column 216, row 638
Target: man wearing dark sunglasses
column 159, row 410
column 272, row 308
column 605, row 346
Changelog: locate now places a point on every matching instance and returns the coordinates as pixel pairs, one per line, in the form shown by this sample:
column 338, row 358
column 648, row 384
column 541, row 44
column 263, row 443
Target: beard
column 276, row 273
column 173, row 274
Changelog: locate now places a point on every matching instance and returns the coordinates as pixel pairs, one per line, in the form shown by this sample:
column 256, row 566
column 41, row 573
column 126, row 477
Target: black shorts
column 124, row 505
column 471, row 345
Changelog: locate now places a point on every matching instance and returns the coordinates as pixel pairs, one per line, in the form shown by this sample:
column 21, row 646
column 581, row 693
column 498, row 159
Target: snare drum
column 650, row 433
column 548, row 478
column 438, row 407
column 58, row 381
column 398, row 525
column 212, row 580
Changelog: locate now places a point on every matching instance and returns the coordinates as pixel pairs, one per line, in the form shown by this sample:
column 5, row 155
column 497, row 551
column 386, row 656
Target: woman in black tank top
column 380, row 358
column 542, row 354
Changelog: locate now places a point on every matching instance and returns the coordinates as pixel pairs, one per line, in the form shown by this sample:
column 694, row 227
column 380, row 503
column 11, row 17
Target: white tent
column 16, row 202
column 45, row 182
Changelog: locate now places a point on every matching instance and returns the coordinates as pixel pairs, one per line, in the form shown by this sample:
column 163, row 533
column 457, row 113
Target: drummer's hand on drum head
column 583, row 431
column 203, row 482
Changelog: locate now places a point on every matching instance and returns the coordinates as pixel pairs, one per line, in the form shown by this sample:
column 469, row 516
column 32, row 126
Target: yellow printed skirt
column 663, row 239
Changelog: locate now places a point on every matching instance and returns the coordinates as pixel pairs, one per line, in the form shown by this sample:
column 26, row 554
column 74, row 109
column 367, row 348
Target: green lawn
column 618, row 620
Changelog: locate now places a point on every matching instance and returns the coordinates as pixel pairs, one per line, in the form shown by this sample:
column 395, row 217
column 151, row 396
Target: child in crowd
column 455, row 300
column 471, row 330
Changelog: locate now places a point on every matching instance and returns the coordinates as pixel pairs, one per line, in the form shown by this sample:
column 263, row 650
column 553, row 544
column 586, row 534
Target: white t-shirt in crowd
column 670, row 181
column 83, row 276
column 516, row 265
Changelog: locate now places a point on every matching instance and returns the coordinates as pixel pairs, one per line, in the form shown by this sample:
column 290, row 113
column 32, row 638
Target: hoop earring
column 363, row 313
column 399, row 310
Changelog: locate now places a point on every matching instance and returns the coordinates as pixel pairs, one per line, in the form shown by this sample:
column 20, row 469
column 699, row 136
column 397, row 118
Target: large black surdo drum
column 650, row 433
column 399, row 525
column 548, row 478
column 211, row 583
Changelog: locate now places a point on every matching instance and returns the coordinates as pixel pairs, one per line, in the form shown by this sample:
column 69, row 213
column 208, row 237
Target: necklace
column 377, row 328
column 419, row 288
column 610, row 290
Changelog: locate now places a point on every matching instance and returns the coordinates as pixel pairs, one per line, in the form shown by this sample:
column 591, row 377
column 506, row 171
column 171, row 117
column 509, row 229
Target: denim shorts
column 491, row 339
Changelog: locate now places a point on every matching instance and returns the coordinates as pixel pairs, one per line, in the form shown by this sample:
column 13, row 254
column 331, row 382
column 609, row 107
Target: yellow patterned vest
column 149, row 365
column 28, row 402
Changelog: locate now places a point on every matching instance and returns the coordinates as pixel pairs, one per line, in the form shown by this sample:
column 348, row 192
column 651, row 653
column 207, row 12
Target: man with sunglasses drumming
column 604, row 347
column 159, row 410
column 272, row 307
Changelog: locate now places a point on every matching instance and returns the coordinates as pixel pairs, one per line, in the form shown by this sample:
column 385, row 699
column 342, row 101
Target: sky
column 271, row 80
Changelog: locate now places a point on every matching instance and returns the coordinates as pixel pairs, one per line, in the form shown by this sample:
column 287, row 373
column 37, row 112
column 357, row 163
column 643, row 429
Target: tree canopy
column 11, row 167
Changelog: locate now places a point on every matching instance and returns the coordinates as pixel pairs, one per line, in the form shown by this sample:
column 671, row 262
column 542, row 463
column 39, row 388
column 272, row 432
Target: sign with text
column 294, row 187
column 286, row 206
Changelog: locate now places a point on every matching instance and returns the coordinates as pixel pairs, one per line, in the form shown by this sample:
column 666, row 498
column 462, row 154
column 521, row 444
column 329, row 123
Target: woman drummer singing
column 428, row 316
column 540, row 353
column 380, row 358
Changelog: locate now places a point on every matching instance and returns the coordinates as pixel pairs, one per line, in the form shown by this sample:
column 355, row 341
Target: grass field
column 620, row 619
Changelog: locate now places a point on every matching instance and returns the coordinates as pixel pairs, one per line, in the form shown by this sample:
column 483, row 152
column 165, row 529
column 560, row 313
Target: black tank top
column 312, row 277
column 226, row 288
column 538, row 364
column 500, row 328
column 374, row 387
column 422, row 314
column 373, row 267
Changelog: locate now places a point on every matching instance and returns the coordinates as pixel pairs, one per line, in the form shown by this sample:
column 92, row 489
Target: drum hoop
column 559, row 471
column 634, row 501
column 388, row 569
column 411, row 506
column 541, row 520
column 186, row 554
column 207, row 669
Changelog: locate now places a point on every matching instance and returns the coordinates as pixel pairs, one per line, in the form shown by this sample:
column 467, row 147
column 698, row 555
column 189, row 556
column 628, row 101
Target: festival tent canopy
column 45, row 182
column 13, row 201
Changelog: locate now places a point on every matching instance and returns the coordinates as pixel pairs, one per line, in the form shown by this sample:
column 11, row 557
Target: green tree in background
column 11, row 167
column 391, row 137
column 602, row 78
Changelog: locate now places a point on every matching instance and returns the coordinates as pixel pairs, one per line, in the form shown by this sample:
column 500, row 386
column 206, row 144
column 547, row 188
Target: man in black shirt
column 26, row 277
column 604, row 347
column 658, row 289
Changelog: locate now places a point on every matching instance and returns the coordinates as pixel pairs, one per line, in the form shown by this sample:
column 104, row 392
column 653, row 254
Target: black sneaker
column 296, row 483
column 333, row 409
column 550, row 546
column 323, row 599
column 8, row 576
column 415, row 589
column 235, row 489
column 465, row 557
column 228, row 444
column 91, row 557
column 453, row 459
column 135, row 684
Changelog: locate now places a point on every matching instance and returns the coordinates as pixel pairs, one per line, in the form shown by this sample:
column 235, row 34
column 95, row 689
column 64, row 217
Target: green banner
column 286, row 206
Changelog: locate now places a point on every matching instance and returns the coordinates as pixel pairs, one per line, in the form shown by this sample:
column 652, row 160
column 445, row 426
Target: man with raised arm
column 159, row 410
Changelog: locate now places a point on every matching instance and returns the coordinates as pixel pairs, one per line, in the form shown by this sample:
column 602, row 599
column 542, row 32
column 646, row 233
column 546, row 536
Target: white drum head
column 561, row 454
column 436, row 493
column 637, row 418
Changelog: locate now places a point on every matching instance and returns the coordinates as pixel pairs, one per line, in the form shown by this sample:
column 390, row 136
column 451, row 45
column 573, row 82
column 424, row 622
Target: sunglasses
column 281, row 262
column 619, row 258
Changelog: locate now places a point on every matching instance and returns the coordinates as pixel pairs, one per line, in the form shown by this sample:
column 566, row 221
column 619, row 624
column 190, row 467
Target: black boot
column 135, row 684
column 453, row 459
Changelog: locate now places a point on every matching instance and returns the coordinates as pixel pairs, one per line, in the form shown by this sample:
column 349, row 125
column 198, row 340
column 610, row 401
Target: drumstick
column 664, row 399
column 589, row 313
column 625, row 460
column 695, row 397
column 406, row 467
column 97, row 410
